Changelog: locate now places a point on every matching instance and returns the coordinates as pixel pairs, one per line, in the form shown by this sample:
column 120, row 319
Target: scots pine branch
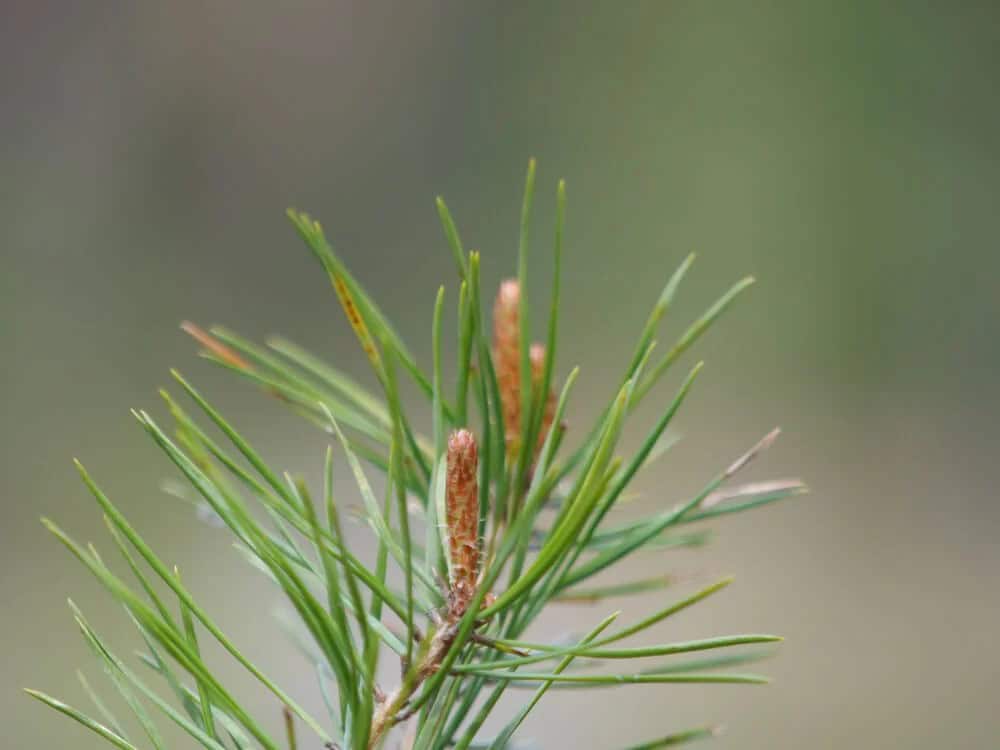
column 486, row 522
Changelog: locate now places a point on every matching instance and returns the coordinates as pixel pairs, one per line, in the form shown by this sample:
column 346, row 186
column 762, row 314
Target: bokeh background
column 847, row 153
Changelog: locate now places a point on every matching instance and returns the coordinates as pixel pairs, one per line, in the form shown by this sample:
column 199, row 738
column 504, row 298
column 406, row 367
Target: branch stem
column 392, row 710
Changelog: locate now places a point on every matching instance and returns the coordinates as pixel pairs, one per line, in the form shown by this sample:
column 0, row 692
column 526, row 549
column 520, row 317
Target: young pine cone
column 462, row 521
column 507, row 361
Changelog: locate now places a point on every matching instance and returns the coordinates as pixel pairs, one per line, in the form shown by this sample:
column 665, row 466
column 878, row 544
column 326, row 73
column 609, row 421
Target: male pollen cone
column 462, row 508
column 507, row 359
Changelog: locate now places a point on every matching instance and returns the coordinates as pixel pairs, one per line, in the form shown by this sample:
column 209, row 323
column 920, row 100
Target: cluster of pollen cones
column 462, row 490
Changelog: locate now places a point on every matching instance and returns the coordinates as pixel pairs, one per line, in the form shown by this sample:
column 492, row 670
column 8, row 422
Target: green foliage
column 542, row 521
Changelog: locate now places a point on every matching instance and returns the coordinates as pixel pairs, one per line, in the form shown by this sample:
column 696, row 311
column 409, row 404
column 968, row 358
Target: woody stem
column 389, row 712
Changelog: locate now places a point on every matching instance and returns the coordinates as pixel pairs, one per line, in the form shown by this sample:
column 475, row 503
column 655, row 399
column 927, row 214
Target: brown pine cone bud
column 507, row 359
column 462, row 509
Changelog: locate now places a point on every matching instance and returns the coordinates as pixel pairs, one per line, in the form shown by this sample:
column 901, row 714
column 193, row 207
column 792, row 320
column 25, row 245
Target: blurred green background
column 847, row 153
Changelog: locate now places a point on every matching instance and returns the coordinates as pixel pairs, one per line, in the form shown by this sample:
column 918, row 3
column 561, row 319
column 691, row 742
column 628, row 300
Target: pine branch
column 487, row 521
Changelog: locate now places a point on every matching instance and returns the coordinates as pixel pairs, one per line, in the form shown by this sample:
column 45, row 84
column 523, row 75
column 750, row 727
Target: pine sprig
column 487, row 521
